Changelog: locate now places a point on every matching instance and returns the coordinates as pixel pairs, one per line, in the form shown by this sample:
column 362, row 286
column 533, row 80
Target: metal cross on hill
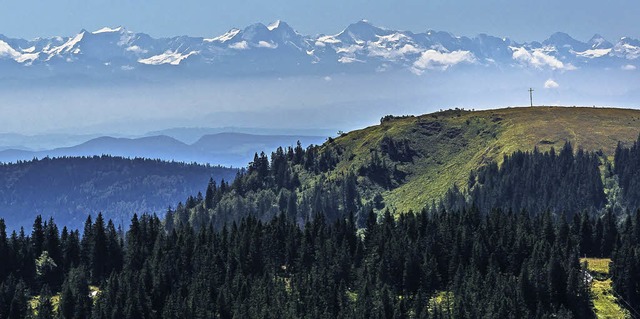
column 531, row 96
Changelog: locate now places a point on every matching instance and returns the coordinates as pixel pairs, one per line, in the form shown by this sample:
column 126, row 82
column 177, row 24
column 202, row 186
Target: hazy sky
column 522, row 20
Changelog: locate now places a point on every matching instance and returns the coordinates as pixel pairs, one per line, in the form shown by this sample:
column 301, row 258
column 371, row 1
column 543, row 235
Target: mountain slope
column 448, row 145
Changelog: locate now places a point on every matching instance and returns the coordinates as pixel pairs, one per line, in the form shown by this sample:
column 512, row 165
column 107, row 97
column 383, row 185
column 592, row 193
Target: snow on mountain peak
column 627, row 48
column 67, row 46
column 229, row 35
column 627, row 40
column 7, row 50
column 108, row 30
column 360, row 43
column 282, row 28
column 274, row 25
column 168, row 57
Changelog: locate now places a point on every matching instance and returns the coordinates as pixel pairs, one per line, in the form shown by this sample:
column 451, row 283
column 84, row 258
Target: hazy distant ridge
column 228, row 149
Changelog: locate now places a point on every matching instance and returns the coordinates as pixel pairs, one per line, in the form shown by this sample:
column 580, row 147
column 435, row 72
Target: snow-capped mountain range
column 278, row 49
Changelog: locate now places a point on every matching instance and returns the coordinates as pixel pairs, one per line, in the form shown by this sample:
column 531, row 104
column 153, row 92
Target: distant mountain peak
column 362, row 30
column 259, row 26
column 560, row 38
column 363, row 25
column 364, row 22
column 563, row 41
column 598, row 42
column 255, row 32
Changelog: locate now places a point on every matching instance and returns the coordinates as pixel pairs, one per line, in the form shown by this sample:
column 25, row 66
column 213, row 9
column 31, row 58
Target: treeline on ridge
column 304, row 182
column 70, row 188
column 290, row 181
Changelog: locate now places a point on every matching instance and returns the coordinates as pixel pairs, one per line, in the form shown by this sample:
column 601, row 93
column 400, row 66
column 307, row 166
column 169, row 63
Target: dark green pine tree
column 586, row 235
column 70, row 242
column 52, row 246
column 45, row 308
column 115, row 257
column 66, row 306
column 75, row 302
column 37, row 236
column 86, row 243
column 5, row 266
column 609, row 234
column 292, row 206
column 99, row 255
column 209, row 196
column 19, row 307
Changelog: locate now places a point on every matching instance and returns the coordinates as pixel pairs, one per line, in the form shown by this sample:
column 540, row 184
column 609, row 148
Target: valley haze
column 226, row 149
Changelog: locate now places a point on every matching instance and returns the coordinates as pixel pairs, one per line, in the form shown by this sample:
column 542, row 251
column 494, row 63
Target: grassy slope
column 452, row 143
column 605, row 303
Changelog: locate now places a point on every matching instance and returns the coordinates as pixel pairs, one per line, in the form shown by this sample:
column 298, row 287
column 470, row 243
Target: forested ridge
column 70, row 188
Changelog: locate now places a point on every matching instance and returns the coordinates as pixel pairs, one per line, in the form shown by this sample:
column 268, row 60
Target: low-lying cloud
column 551, row 84
column 432, row 59
column 540, row 60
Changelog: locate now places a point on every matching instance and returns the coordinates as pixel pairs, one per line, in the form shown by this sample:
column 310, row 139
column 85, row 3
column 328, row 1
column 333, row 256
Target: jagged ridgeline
column 410, row 162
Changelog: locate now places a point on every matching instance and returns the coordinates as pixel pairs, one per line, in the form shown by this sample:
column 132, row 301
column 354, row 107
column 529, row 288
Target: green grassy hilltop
column 447, row 145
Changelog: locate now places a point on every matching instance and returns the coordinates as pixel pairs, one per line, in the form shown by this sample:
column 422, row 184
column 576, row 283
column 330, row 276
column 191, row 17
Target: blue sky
column 518, row 19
